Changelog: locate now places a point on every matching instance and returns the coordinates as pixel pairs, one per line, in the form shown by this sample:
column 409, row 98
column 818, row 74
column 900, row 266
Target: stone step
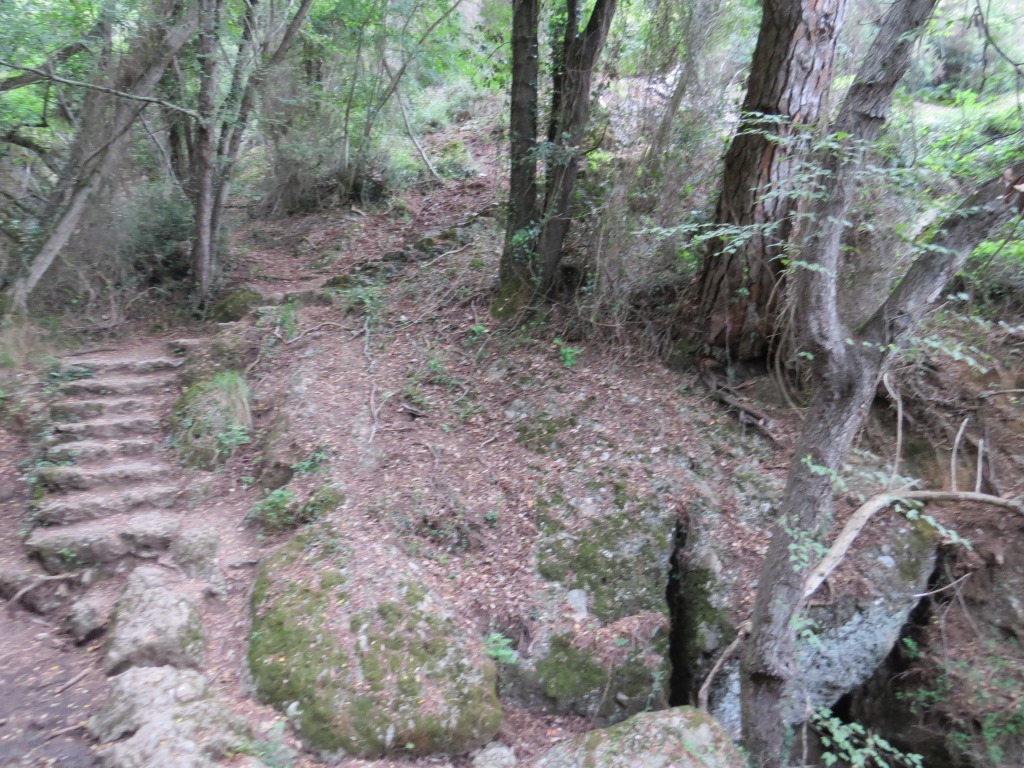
column 80, row 507
column 119, row 386
column 102, row 366
column 109, row 476
column 98, row 450
column 78, row 410
column 97, row 542
column 104, row 428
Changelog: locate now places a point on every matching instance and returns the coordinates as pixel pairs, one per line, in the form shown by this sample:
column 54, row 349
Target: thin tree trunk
column 520, row 234
column 204, row 243
column 580, row 59
column 790, row 76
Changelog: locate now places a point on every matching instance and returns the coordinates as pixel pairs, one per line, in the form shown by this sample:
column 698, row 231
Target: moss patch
column 235, row 305
column 211, row 420
column 393, row 677
column 621, row 560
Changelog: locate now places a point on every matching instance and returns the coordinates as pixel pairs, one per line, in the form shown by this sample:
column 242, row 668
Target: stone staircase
column 107, row 487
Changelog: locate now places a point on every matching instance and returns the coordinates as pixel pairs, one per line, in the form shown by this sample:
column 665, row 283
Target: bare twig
column 895, row 395
column 311, row 330
column 956, row 450
column 14, row 601
column 979, row 472
column 102, row 88
column 71, row 682
column 984, row 395
column 943, row 589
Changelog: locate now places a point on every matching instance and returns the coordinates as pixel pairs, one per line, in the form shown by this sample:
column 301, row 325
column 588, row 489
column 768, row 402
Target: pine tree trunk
column 789, row 79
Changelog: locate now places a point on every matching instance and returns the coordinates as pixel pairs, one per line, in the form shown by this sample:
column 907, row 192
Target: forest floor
column 415, row 399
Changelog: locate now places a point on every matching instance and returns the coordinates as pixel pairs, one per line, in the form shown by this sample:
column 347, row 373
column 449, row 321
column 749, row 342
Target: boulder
column 195, row 552
column 154, row 625
column 88, row 618
column 365, row 661
column 673, row 738
column 601, row 650
column 162, row 717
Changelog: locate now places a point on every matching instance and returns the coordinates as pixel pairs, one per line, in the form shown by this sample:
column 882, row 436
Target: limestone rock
column 162, row 717
column 601, row 650
column 365, row 661
column 674, row 738
column 195, row 551
column 154, row 626
column 88, row 617
column 495, row 755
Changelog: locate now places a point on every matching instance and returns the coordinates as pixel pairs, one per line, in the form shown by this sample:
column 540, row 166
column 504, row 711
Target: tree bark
column 536, row 230
column 789, row 79
column 520, row 229
column 846, row 365
column 204, row 241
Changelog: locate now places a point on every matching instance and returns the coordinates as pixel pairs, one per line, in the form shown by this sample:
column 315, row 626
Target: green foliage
column 277, row 511
column 314, row 463
column 856, row 746
column 568, row 354
column 499, row 648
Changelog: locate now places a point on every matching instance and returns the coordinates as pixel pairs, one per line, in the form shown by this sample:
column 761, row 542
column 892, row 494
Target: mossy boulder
column 621, row 559
column 235, row 305
column 365, row 659
column 211, row 419
column 682, row 737
column 601, row 647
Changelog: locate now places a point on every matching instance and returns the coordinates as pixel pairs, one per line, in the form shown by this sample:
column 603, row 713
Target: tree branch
column 43, row 75
column 876, row 504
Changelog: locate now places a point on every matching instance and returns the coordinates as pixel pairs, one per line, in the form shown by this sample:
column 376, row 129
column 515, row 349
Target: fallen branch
column 748, row 413
column 704, row 695
column 876, row 504
column 71, row 682
column 13, row 603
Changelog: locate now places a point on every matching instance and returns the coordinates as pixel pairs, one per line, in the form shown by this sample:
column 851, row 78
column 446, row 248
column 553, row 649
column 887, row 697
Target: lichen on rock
column 388, row 672
column 682, row 737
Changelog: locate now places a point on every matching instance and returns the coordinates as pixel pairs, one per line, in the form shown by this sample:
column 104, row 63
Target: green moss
column 235, row 305
column 541, row 434
column 211, row 419
column 620, row 561
column 567, row 673
column 402, row 657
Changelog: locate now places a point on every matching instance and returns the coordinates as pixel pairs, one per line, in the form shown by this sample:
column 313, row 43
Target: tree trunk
column 580, row 58
column 844, row 376
column 521, row 227
column 789, row 79
column 536, row 231
column 204, row 242
column 94, row 156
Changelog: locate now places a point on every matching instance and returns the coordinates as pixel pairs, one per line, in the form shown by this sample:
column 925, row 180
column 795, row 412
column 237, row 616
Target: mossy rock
column 621, row 560
column 682, row 737
column 395, row 675
column 235, row 305
column 211, row 420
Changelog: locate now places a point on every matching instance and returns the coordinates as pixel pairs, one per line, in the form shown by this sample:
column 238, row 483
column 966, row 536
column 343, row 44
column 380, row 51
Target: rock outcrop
column 673, row 738
column 364, row 662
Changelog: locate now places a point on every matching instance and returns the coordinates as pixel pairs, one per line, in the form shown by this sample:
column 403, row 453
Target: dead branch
column 985, row 395
column 73, row 681
column 876, row 504
column 748, row 413
column 14, row 601
column 705, row 689
column 101, row 88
